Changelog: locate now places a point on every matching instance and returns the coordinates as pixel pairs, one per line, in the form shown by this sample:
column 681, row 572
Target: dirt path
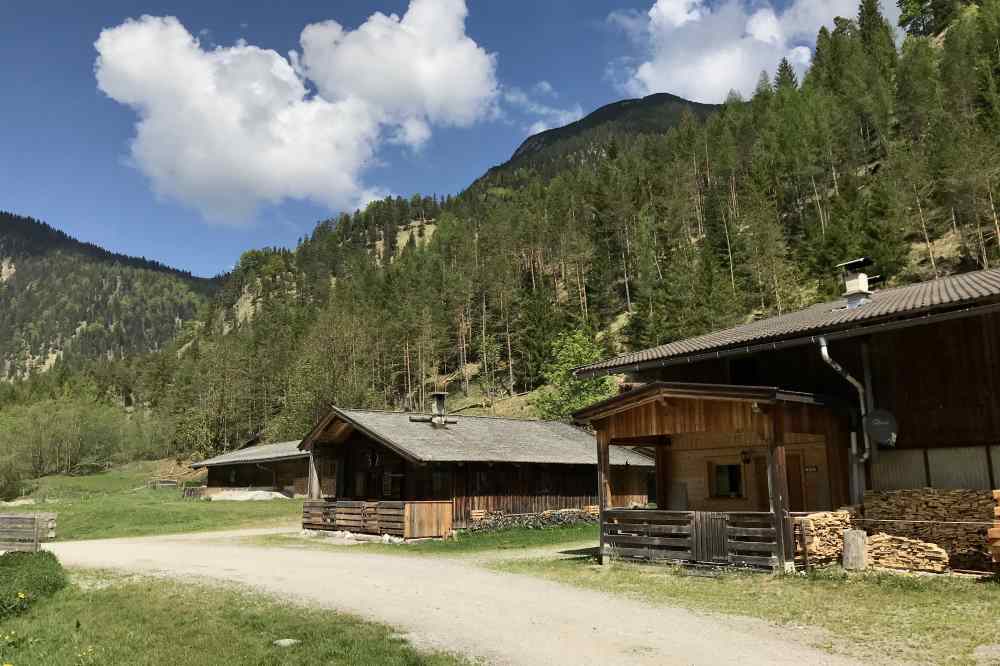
column 455, row 605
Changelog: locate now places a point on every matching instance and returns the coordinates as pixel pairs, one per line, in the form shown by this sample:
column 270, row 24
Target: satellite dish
column 881, row 427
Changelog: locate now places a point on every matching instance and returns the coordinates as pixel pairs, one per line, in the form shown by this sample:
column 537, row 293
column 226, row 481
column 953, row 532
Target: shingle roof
column 255, row 454
column 890, row 304
column 486, row 439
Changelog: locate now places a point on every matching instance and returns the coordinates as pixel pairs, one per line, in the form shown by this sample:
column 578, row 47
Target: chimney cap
column 855, row 264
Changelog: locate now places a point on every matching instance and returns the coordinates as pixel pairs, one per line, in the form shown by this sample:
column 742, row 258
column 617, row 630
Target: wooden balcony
column 407, row 519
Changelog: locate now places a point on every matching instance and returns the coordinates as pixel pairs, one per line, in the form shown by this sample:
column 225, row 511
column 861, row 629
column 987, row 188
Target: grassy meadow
column 902, row 618
column 117, row 504
column 103, row 618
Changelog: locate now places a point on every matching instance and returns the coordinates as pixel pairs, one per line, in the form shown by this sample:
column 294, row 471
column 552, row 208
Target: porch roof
column 477, row 439
column 691, row 391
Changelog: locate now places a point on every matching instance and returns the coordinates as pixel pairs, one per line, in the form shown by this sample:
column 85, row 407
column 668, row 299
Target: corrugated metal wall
column 899, row 469
column 963, row 467
column 960, row 467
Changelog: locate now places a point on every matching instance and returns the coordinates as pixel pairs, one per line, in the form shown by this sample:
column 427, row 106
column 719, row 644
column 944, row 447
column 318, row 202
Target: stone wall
column 932, row 510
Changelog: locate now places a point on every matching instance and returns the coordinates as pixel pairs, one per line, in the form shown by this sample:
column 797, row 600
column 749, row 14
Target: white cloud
column 418, row 67
column 543, row 115
column 228, row 128
column 702, row 51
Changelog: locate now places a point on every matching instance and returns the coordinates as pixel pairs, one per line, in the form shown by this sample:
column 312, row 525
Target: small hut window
column 726, row 480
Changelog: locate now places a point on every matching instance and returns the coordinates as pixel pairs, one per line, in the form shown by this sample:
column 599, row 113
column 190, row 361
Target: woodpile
column 956, row 520
column 993, row 536
column 532, row 521
column 896, row 552
column 824, row 535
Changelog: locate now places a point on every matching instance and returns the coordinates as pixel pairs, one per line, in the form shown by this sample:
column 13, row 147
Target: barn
column 886, row 400
column 417, row 475
column 282, row 467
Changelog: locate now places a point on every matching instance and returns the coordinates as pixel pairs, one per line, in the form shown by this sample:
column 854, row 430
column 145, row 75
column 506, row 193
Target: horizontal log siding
column 518, row 489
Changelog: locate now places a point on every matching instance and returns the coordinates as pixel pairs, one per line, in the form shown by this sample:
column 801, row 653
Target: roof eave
column 223, row 463
column 890, row 322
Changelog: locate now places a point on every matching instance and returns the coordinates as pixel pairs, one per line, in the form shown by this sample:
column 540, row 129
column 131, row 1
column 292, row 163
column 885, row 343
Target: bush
column 26, row 578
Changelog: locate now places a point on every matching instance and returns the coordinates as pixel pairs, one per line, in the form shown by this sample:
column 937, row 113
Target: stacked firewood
column 824, row 535
column 896, row 552
column 953, row 519
column 994, row 534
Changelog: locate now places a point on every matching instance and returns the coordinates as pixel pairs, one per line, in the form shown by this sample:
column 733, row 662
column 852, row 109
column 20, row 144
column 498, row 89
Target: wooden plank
column 651, row 554
column 648, row 541
column 646, row 514
column 756, row 546
column 753, row 560
column 751, row 531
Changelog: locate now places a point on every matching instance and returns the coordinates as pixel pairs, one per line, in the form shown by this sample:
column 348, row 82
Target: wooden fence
column 408, row 520
column 25, row 532
column 747, row 539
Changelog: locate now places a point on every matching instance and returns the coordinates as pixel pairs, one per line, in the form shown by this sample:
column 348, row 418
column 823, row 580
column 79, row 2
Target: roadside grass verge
column 500, row 541
column 26, row 579
column 916, row 619
column 108, row 619
column 117, row 504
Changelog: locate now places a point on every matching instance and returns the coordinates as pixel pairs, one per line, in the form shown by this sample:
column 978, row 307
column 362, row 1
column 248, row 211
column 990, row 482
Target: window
column 726, row 480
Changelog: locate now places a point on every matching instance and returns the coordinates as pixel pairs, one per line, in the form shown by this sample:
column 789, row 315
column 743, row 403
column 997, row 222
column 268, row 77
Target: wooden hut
column 928, row 354
column 421, row 475
column 282, row 467
column 731, row 463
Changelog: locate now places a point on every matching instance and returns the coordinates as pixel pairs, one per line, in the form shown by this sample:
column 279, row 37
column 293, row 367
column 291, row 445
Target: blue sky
column 244, row 145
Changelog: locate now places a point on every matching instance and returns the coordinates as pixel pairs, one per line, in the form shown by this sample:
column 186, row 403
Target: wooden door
column 796, row 494
column 761, row 493
column 709, row 537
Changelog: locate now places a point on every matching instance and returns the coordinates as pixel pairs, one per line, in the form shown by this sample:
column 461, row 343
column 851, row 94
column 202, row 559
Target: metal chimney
column 438, row 417
column 856, row 288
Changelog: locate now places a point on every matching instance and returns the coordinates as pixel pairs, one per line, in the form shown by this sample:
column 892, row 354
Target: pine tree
column 785, row 78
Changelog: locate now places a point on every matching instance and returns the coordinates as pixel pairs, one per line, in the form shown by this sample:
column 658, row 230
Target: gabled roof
column 478, row 439
column 914, row 304
column 256, row 454
column 683, row 390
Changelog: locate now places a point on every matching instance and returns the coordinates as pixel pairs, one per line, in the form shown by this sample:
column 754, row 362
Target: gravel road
column 456, row 605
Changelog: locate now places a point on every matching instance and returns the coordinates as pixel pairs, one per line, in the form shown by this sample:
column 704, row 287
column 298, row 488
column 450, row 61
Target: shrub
column 26, row 578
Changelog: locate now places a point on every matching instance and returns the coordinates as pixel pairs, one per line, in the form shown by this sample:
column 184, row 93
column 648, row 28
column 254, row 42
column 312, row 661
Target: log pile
column 824, row 533
column 896, row 552
column 932, row 510
column 993, row 536
column 533, row 521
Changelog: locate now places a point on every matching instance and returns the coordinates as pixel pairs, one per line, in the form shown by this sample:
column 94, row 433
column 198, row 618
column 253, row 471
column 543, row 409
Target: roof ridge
column 453, row 415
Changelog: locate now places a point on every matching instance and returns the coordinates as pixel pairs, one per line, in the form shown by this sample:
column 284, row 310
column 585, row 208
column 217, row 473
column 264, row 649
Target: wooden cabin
column 422, row 475
column 281, row 467
column 728, row 460
column 927, row 354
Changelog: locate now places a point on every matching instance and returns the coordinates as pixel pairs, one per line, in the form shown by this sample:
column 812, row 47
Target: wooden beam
column 642, row 440
column 777, row 484
column 603, row 490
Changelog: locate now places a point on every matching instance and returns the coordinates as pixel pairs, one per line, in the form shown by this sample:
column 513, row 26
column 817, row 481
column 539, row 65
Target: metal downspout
column 824, row 351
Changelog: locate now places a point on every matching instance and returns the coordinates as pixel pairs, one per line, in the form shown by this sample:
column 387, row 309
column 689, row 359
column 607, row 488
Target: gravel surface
column 455, row 605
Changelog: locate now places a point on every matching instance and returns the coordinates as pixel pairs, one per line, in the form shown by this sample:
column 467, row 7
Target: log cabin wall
column 707, row 435
column 534, row 488
column 940, row 381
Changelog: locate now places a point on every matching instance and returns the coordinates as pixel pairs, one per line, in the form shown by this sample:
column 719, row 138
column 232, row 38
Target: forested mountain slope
column 631, row 240
column 549, row 152
column 63, row 299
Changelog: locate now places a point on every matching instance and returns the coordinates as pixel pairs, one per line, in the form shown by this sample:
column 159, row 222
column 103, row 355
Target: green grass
column 117, row 504
column 904, row 617
column 26, row 579
column 114, row 620
column 467, row 543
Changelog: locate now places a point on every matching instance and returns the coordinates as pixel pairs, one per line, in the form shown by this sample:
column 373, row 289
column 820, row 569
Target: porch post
column 777, row 485
column 603, row 491
column 314, row 488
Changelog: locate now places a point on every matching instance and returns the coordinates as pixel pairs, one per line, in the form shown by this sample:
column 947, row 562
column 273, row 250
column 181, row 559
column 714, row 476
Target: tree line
column 640, row 239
